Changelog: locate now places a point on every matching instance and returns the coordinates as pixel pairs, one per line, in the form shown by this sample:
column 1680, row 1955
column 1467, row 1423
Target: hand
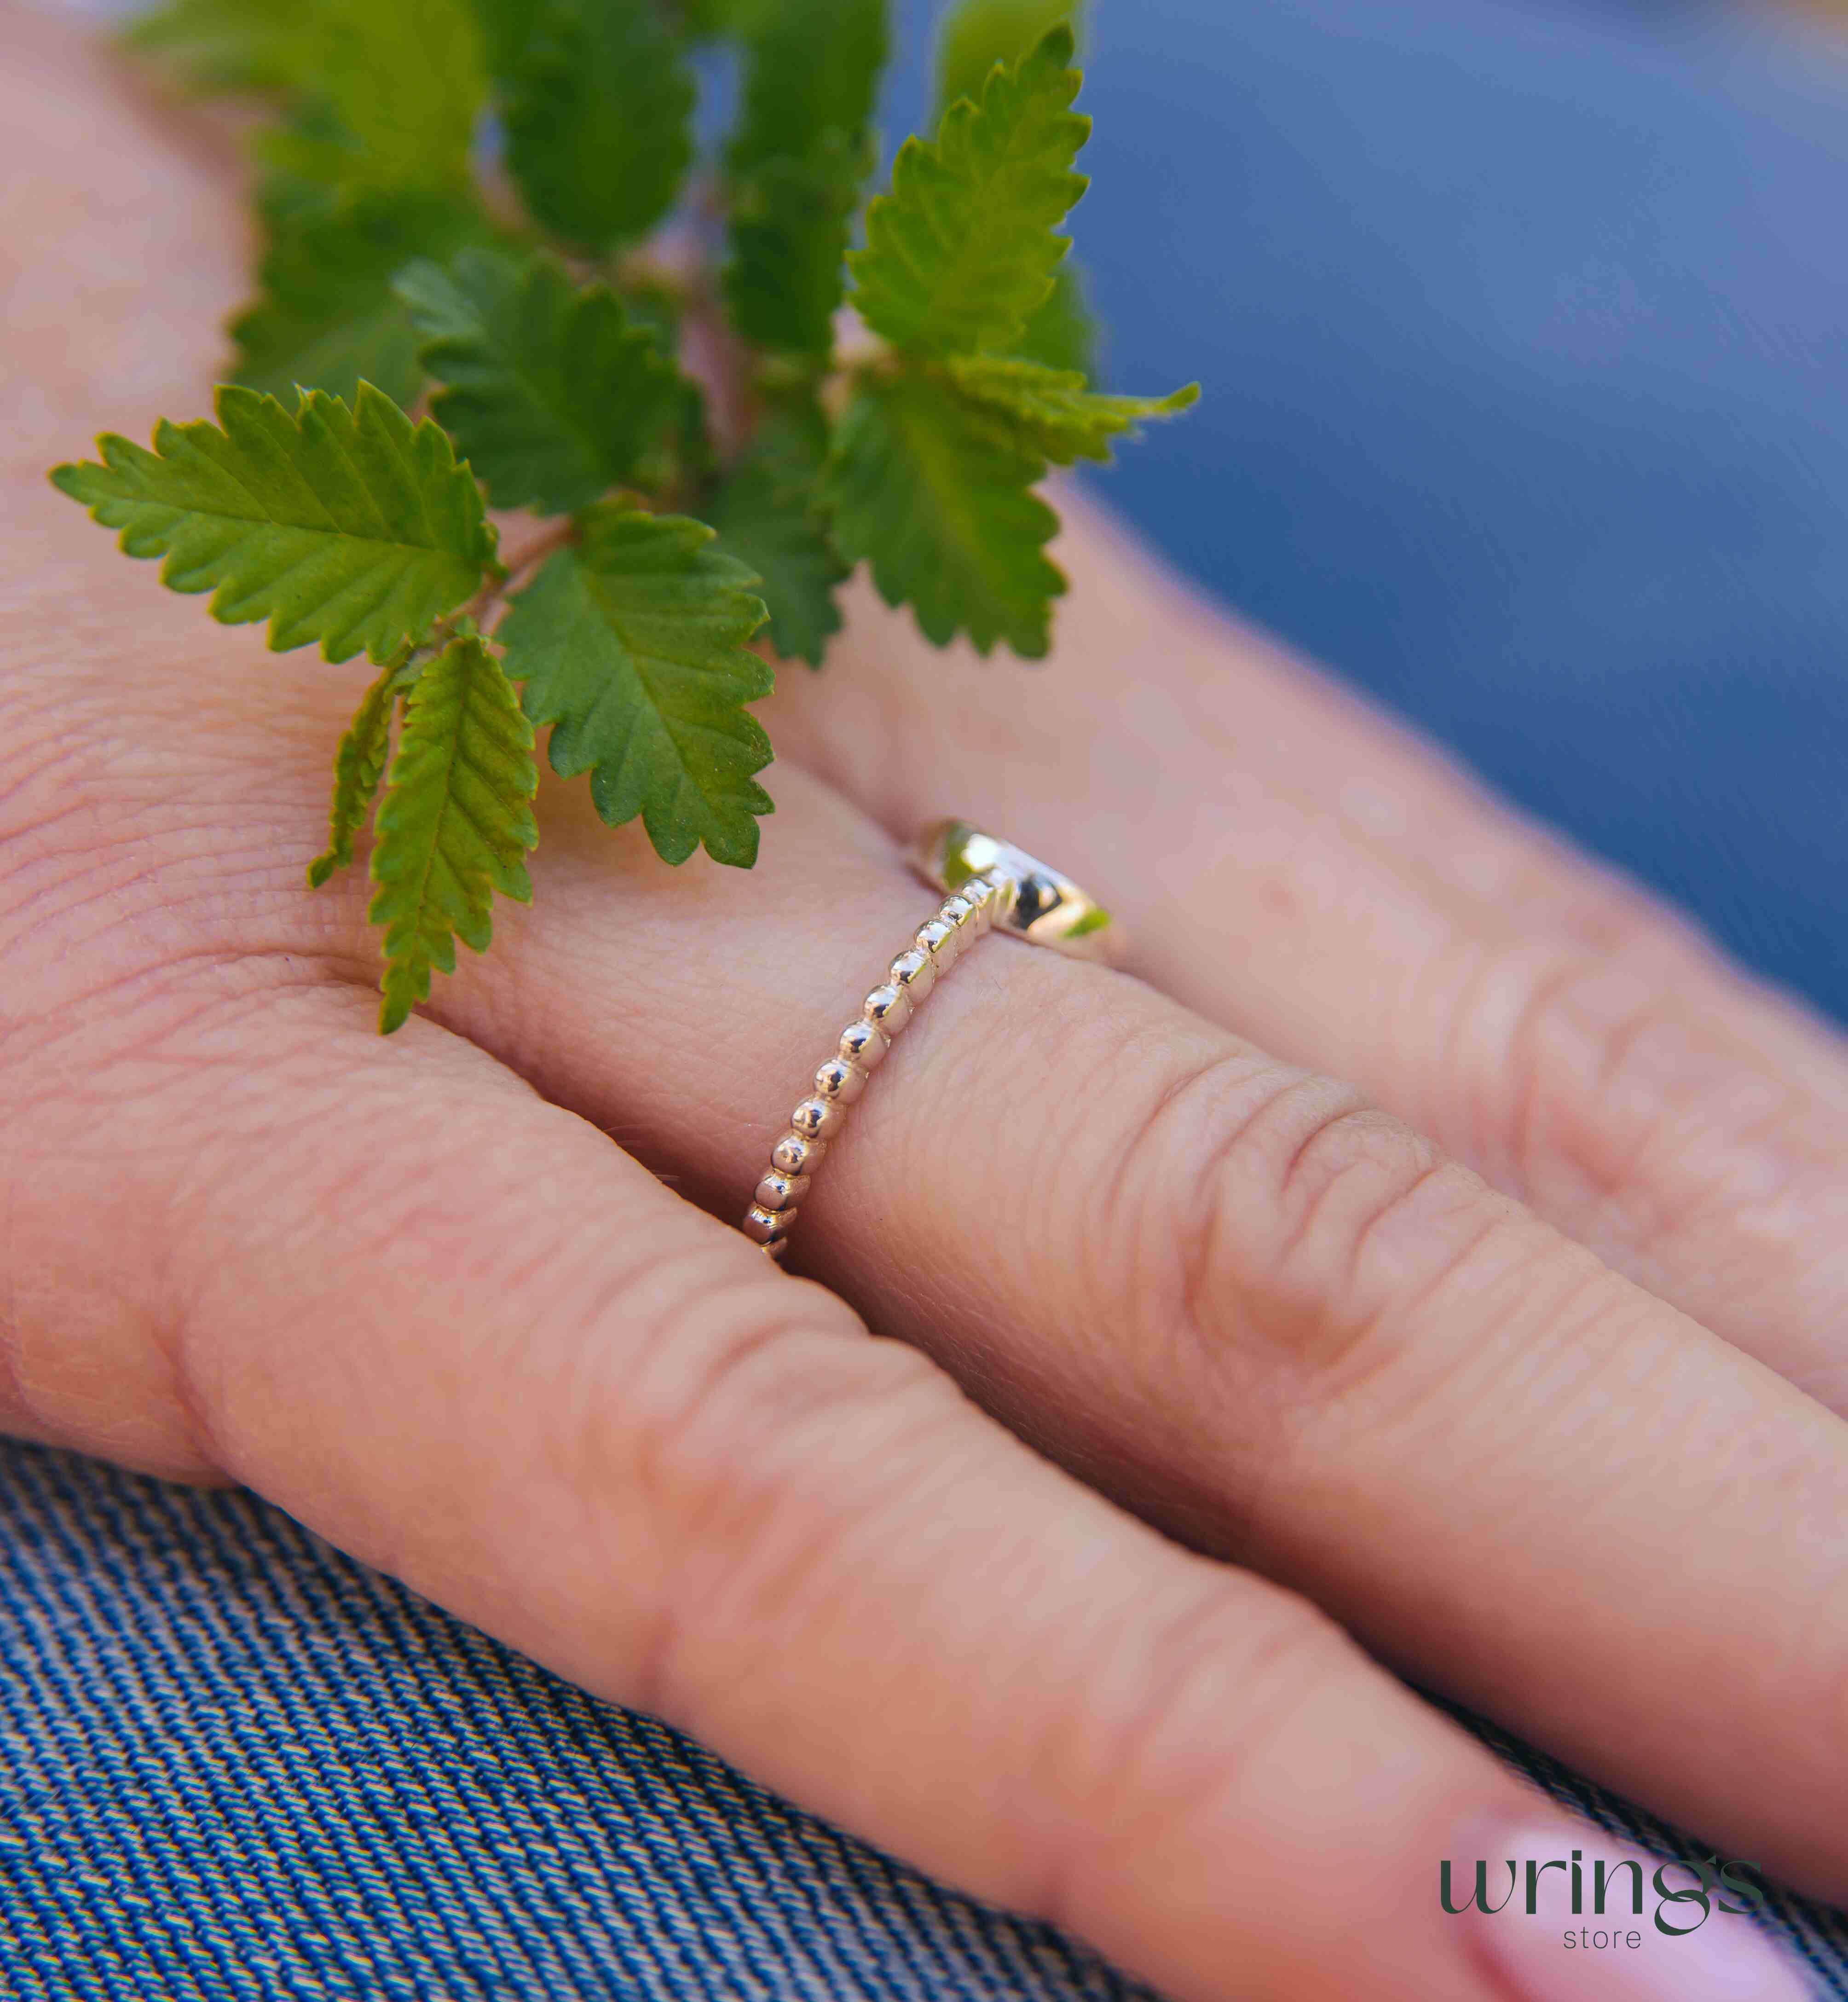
column 428, row 1294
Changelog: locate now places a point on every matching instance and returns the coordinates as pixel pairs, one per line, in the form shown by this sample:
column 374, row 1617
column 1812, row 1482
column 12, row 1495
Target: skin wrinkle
column 1278, row 1658
column 748, row 1532
column 1434, row 1407
column 1695, row 1123
column 73, row 1018
column 1436, row 1172
column 1184, row 1235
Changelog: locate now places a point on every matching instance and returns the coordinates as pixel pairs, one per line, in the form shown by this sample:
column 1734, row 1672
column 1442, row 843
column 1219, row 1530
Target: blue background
column 1522, row 330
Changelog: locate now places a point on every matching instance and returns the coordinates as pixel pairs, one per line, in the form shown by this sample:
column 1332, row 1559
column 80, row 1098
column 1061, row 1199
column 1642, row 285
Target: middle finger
column 1266, row 1315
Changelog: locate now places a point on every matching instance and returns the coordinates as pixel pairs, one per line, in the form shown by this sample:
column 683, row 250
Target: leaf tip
column 1057, row 47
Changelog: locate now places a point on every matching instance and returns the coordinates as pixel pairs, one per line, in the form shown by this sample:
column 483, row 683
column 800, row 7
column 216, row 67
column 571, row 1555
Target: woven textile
column 235, row 1765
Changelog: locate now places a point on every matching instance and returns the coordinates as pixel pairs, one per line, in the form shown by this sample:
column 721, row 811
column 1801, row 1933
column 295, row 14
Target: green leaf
column 812, row 70
column 632, row 646
column 1064, row 333
column 358, row 766
column 789, row 220
column 705, row 18
column 796, row 165
column 456, row 822
column 598, row 119
column 407, row 81
column 770, row 512
column 1050, row 411
column 352, row 527
column 328, row 318
column 963, row 251
column 554, row 397
column 507, row 27
column 976, row 34
column 943, row 508
column 228, row 44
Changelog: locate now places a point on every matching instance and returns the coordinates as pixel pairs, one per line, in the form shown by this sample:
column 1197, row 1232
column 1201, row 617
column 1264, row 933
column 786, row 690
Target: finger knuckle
column 1199, row 1722
column 726, row 1416
column 1625, row 1113
column 1288, row 1212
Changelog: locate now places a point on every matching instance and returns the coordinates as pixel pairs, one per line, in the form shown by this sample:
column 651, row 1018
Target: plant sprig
column 530, row 304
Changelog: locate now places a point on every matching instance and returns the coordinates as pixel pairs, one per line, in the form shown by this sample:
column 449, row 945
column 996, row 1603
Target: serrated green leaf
column 356, row 528
column 976, row 34
column 632, row 646
column 1050, row 411
column 358, row 766
column 228, row 44
column 328, row 318
column 943, row 509
column 963, row 251
column 1064, row 333
column 554, row 396
column 456, row 822
column 599, row 117
column 770, row 512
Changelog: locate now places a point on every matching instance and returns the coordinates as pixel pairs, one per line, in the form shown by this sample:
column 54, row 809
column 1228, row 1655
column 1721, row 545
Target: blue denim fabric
column 1529, row 409
column 236, row 1767
column 235, row 1764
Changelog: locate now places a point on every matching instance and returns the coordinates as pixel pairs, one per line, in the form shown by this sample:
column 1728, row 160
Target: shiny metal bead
column 861, row 1043
column 888, row 1008
column 939, row 940
column 978, row 895
column 840, row 1080
column 781, row 1191
column 776, row 1250
column 797, row 1154
column 959, row 911
column 914, row 971
column 818, row 1118
column 767, row 1226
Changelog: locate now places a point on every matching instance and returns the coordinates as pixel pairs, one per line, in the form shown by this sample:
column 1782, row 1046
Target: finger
column 1267, row 1317
column 1293, row 866
column 453, row 1329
